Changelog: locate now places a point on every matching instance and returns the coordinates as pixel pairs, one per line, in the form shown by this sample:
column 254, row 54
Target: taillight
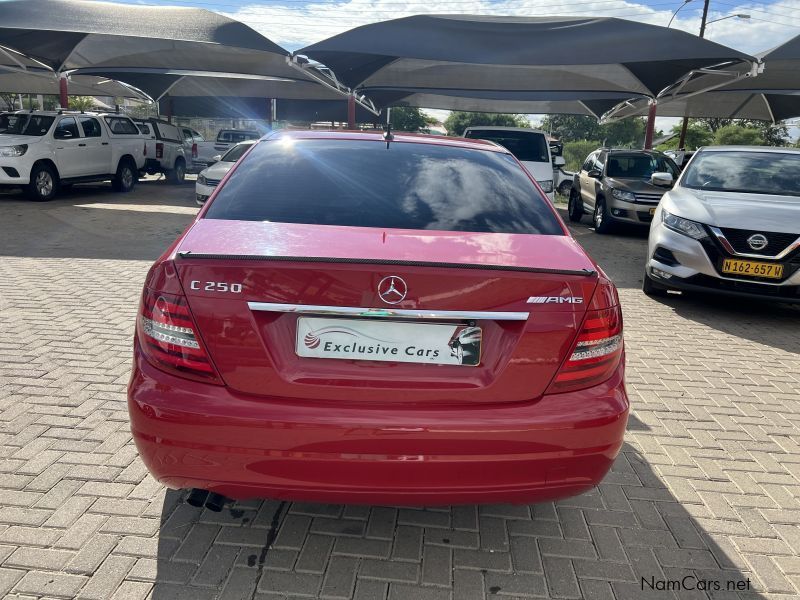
column 168, row 339
column 598, row 349
column 159, row 150
column 194, row 150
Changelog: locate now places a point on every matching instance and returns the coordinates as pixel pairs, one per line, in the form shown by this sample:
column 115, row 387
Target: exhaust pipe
column 197, row 497
column 215, row 502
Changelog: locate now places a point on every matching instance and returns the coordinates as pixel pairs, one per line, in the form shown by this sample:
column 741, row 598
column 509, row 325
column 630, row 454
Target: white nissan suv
column 42, row 150
column 730, row 225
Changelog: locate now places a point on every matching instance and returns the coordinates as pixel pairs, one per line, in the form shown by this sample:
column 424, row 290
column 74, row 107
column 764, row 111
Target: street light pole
column 685, row 124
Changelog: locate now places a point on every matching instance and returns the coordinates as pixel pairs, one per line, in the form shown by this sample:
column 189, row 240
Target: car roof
column 504, row 128
column 763, row 149
column 378, row 136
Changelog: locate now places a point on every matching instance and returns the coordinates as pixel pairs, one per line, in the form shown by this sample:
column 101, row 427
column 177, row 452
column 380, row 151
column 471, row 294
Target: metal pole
column 651, row 125
column 351, row 112
column 685, row 124
column 62, row 92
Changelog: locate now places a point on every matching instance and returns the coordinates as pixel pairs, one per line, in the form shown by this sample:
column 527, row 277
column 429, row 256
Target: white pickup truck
column 166, row 149
column 226, row 139
column 41, row 151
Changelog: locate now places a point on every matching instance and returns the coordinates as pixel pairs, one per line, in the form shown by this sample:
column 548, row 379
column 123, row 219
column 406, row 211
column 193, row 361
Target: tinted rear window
column 364, row 184
column 525, row 145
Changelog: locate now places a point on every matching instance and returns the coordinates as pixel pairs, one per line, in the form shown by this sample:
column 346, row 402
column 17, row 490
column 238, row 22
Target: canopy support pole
column 63, row 96
column 351, row 111
column 651, row 125
column 682, row 138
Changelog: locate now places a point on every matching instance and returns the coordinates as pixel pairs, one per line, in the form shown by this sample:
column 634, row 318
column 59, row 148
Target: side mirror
column 216, row 158
column 595, row 174
column 661, row 179
column 559, row 161
column 64, row 135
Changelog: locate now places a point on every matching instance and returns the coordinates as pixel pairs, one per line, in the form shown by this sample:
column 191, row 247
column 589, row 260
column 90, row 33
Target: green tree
column 576, row 152
column 570, row 128
column 458, row 121
column 81, row 102
column 696, row 135
column 771, row 134
column 729, row 135
column 407, row 118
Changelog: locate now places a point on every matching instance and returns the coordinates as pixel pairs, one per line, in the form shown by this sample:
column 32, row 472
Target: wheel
column 125, row 179
column 565, row 188
column 651, row 288
column 602, row 220
column 44, row 183
column 178, row 174
column 575, row 206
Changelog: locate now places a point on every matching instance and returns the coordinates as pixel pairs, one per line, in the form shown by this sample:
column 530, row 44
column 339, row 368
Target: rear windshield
column 366, row 184
column 525, row 145
column 639, row 166
column 236, row 153
column 236, row 136
column 772, row 173
column 25, row 124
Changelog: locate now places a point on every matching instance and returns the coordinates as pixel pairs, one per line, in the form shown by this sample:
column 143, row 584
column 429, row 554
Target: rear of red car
column 355, row 321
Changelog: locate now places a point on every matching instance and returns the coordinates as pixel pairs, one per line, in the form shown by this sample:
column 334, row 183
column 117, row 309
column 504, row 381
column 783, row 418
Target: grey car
column 620, row 185
column 730, row 225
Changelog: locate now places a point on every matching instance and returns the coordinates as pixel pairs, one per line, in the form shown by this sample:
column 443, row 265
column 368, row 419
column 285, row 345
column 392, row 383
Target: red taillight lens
column 167, row 337
column 596, row 354
column 194, row 150
column 159, row 150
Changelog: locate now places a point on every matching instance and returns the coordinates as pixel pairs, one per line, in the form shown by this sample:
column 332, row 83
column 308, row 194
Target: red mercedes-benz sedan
column 361, row 318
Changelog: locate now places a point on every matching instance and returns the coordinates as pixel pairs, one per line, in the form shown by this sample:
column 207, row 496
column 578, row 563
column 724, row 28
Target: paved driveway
column 707, row 486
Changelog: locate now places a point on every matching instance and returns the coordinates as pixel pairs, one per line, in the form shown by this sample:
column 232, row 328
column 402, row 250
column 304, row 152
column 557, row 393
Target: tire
column 44, row 183
column 125, row 179
column 565, row 188
column 601, row 219
column 575, row 206
column 651, row 288
column 178, row 174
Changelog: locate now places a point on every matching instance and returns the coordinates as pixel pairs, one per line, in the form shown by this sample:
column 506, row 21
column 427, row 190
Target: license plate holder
column 389, row 341
column 751, row 268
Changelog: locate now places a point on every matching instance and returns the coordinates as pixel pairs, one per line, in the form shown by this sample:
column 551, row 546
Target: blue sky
column 294, row 23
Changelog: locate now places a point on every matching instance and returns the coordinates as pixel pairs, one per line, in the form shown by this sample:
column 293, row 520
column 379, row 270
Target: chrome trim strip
column 391, row 313
column 729, row 248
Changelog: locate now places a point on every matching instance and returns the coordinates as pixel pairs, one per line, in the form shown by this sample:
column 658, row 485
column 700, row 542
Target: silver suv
column 620, row 185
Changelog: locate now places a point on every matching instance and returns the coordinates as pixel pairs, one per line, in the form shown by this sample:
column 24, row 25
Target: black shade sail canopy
column 772, row 96
column 154, row 48
column 468, row 56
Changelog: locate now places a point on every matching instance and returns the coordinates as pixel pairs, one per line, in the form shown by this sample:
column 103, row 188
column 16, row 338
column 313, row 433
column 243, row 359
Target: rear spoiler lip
column 391, row 262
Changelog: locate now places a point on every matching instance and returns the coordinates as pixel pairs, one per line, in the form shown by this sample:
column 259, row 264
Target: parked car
column 681, row 157
column 209, row 178
column 563, row 180
column 730, row 225
column 191, row 140
column 226, row 139
column 529, row 146
column 324, row 331
column 166, row 151
column 41, row 151
column 620, row 186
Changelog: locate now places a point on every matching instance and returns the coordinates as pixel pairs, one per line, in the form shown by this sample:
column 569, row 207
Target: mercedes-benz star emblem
column 757, row 241
column 392, row 289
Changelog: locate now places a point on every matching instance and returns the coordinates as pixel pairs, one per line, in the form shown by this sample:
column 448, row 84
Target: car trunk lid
column 249, row 284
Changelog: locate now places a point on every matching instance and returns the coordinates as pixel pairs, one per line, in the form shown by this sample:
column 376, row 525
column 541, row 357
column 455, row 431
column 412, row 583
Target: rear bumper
column 198, row 435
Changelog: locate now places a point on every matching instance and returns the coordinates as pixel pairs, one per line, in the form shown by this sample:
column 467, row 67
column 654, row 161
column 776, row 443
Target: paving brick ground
column 708, row 484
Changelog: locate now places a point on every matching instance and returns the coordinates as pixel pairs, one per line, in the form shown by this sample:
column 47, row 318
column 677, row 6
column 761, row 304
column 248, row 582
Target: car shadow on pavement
column 628, row 538
column 91, row 221
column 772, row 324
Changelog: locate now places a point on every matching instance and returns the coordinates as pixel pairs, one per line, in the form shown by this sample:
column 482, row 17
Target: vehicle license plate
column 752, row 268
column 388, row 341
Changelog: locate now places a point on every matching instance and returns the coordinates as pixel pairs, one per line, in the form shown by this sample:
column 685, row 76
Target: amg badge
column 555, row 300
